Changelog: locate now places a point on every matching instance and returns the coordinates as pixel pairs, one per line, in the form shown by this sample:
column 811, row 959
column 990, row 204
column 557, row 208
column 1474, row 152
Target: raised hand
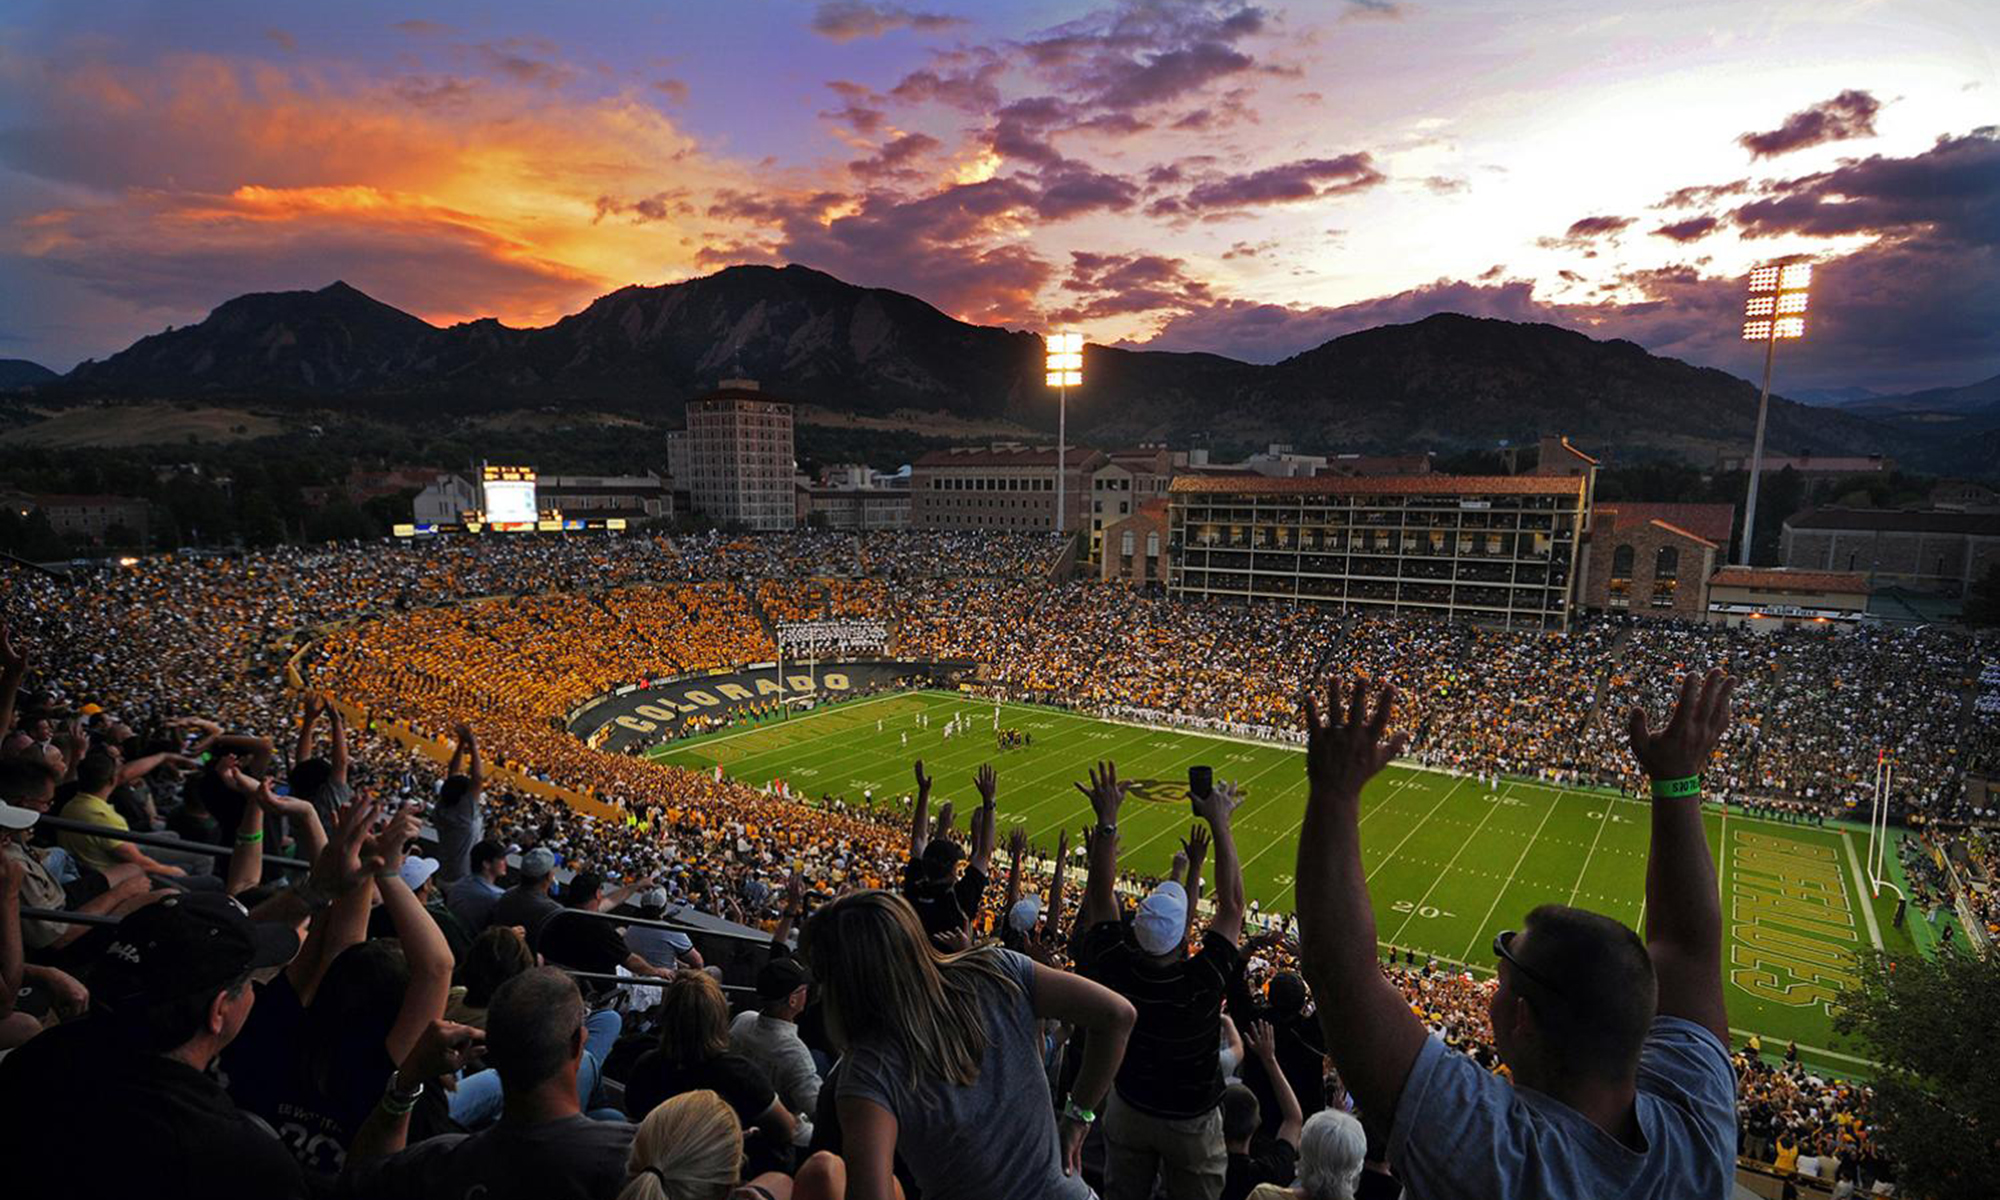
column 1017, row 844
column 347, row 857
column 1262, row 1042
column 923, row 781
column 1105, row 792
column 1348, row 743
column 941, row 824
column 1195, row 846
column 1221, row 801
column 1180, row 863
column 987, row 782
column 442, row 1049
column 1700, row 718
column 13, row 655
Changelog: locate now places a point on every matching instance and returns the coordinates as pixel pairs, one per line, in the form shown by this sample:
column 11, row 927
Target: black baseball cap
column 183, row 946
column 781, row 977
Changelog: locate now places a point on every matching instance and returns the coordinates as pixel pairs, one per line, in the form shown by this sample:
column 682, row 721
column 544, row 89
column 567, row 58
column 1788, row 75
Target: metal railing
column 161, row 841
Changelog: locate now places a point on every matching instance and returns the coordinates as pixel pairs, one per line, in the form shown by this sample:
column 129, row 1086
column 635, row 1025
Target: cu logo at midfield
column 1160, row 791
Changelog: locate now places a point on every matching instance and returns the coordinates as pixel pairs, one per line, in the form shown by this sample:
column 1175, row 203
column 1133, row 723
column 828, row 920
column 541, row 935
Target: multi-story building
column 1499, row 549
column 590, row 497
column 740, row 458
column 1006, row 487
column 1929, row 551
column 91, row 518
column 854, row 507
column 1135, row 546
column 1653, row 560
column 1127, row 481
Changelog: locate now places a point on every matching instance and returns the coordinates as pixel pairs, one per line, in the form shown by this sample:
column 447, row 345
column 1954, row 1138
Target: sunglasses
column 1502, row 942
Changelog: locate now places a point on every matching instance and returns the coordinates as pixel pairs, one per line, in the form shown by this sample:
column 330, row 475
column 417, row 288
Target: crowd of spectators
column 158, row 701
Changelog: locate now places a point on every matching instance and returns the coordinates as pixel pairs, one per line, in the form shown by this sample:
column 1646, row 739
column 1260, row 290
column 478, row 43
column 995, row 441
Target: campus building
column 1493, row 548
column 1654, row 560
column 739, row 457
column 1764, row 599
column 1008, row 488
column 1927, row 551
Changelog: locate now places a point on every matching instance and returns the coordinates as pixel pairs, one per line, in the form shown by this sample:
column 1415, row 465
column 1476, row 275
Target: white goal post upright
column 1878, row 826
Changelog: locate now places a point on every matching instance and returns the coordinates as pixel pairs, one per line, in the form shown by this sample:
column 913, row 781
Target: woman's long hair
column 356, row 1004
column 881, row 978
column 694, row 1018
column 688, row 1148
column 497, row 955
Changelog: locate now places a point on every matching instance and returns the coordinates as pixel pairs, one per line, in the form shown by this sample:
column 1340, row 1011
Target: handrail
column 160, row 841
column 642, row 980
column 65, row 917
column 759, row 939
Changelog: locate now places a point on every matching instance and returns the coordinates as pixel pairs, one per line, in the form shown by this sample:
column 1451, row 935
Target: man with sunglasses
column 1622, row 1084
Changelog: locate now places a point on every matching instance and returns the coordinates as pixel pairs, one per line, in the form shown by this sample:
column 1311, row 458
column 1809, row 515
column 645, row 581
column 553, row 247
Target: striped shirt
column 1171, row 1068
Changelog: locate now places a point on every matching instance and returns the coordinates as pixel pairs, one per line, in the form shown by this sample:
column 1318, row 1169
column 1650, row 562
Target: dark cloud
column 896, row 159
column 948, row 247
column 1693, row 229
column 1069, row 189
column 420, row 28
column 1287, row 183
column 434, row 91
column 283, row 40
column 1848, row 115
column 1585, row 230
column 1951, row 190
column 511, row 58
column 1111, row 285
column 845, row 21
column 675, row 90
column 1702, row 194
column 862, row 110
column 962, row 79
column 1375, row 9
column 1259, row 332
column 659, row 206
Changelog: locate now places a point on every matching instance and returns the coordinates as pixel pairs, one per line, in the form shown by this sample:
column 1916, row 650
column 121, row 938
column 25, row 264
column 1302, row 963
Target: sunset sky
column 1244, row 179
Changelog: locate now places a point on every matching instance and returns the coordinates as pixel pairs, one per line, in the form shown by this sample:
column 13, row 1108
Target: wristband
column 400, row 1103
column 249, row 839
column 1676, row 789
column 1110, row 830
column 1072, row 1111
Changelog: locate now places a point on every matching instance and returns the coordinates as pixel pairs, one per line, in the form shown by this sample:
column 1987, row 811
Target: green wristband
column 1676, row 789
column 249, row 839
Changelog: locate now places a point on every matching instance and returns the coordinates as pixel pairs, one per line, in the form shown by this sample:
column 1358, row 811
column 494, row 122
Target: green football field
column 1450, row 861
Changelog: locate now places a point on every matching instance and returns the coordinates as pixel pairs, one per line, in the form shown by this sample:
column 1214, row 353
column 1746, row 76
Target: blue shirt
column 471, row 900
column 1462, row 1131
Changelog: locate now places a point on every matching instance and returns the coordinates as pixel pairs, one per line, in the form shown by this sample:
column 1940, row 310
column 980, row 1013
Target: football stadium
column 1086, row 600
column 678, row 753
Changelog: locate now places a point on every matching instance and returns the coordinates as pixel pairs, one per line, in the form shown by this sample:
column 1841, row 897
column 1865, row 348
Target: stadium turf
column 1450, row 861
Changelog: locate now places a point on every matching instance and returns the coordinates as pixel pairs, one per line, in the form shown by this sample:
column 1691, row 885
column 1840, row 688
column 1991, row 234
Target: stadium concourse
column 435, row 678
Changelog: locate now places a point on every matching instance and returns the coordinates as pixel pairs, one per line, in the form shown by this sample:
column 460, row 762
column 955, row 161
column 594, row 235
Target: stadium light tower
column 1065, row 372
column 1776, row 309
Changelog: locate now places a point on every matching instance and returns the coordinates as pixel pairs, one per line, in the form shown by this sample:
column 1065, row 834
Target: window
column 1621, row 562
column 1667, row 563
column 1125, row 542
column 1152, row 545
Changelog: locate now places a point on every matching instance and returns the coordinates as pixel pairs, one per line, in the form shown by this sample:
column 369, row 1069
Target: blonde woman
column 941, row 1061
column 691, row 1148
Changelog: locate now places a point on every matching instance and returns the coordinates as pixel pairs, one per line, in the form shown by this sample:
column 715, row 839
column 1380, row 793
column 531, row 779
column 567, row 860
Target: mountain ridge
column 1446, row 381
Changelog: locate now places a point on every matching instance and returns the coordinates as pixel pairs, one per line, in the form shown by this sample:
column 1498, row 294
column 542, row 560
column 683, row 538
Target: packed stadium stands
column 174, row 685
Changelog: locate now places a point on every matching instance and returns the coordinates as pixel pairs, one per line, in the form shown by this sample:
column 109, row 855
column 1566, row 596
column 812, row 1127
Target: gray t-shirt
column 995, row 1140
column 1462, row 1131
column 458, row 827
column 661, row 947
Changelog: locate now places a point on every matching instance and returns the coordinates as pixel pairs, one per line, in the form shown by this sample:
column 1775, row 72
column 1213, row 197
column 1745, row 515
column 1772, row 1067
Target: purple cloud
column 1952, row 190
column 1287, row 183
column 1692, row 229
column 845, row 21
column 1848, row 115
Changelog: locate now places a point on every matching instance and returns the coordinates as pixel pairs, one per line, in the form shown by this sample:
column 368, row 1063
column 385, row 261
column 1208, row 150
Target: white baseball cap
column 1161, row 924
column 13, row 816
column 417, row 871
column 1026, row 911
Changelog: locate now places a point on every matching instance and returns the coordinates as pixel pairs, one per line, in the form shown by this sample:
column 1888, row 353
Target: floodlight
column 1795, row 277
column 1064, row 371
column 1764, row 279
column 1756, row 331
column 1791, row 302
column 1760, row 306
column 1789, row 327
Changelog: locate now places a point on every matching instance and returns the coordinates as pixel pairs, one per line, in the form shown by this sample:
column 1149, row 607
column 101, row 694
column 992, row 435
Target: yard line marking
column 1501, row 894
column 1419, row 825
column 1397, row 936
column 695, row 744
column 1593, row 853
column 1861, row 896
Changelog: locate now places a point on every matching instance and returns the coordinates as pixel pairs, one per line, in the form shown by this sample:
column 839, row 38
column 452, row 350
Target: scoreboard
column 507, row 497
